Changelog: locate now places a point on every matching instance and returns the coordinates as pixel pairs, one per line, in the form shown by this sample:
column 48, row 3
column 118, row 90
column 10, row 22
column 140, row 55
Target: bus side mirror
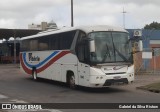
column 92, row 46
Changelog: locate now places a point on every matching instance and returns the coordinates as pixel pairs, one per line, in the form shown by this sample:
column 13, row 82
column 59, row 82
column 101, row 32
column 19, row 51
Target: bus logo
column 118, row 67
column 33, row 58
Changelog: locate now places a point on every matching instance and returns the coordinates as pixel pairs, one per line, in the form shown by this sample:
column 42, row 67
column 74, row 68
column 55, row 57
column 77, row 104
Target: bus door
column 83, row 73
column 83, row 67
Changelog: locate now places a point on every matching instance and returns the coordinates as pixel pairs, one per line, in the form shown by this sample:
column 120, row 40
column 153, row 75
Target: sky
column 17, row 14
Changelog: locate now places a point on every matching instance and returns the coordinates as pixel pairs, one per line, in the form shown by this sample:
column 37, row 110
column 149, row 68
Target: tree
column 153, row 25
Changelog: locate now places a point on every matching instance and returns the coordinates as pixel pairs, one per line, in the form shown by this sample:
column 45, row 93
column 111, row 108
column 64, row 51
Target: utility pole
column 72, row 24
column 124, row 12
column 14, row 32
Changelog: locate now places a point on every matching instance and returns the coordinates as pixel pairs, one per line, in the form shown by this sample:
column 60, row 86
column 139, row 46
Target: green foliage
column 153, row 25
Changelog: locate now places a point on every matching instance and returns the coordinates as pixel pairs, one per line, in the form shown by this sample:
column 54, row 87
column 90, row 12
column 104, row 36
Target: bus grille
column 115, row 73
column 110, row 82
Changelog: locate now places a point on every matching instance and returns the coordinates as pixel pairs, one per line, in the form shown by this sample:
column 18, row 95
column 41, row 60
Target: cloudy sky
column 20, row 13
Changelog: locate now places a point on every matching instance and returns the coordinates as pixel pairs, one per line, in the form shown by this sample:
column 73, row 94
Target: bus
column 89, row 56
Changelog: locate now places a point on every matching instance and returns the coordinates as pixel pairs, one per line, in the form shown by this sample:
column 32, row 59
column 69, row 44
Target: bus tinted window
column 66, row 39
column 33, row 45
column 24, row 45
column 43, row 43
column 53, row 42
column 81, row 47
column 59, row 41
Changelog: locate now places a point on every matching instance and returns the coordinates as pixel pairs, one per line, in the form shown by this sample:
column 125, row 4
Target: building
column 34, row 26
column 10, row 44
column 151, row 46
column 43, row 26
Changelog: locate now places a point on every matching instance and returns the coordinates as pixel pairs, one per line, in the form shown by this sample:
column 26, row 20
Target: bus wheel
column 34, row 75
column 72, row 82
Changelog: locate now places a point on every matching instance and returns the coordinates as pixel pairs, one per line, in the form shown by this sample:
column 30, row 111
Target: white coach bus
column 95, row 56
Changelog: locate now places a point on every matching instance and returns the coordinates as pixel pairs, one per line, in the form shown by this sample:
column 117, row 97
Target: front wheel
column 72, row 84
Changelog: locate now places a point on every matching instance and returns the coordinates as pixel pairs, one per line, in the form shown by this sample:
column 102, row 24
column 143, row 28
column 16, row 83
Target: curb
column 148, row 89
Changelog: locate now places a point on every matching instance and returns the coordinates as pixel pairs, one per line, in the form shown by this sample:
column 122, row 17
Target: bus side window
column 53, row 43
column 66, row 39
column 43, row 43
column 33, row 45
column 25, row 45
column 81, row 48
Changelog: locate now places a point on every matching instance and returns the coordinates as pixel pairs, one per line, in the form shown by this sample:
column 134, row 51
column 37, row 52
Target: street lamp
column 72, row 13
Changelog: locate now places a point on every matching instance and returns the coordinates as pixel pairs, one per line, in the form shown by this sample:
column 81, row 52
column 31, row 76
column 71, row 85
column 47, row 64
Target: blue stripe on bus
column 41, row 63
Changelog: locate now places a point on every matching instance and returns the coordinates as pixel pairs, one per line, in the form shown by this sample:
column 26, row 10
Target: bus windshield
column 111, row 47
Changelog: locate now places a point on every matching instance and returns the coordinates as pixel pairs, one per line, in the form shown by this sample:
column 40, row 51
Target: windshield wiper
column 120, row 54
column 107, row 54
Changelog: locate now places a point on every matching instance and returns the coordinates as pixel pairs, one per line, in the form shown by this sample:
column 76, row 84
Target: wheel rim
column 72, row 82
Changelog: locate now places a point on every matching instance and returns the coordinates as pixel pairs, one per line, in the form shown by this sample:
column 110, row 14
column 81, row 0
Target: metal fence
column 148, row 61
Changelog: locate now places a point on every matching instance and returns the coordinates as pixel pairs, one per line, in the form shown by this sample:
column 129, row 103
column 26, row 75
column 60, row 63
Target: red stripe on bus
column 28, row 71
column 52, row 61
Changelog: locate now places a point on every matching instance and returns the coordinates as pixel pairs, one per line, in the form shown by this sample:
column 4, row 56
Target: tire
column 34, row 75
column 71, row 82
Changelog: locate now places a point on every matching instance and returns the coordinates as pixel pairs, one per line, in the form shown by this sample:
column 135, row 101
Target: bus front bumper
column 104, row 81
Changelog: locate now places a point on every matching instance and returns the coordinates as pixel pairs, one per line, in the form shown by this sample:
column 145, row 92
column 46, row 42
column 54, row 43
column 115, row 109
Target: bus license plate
column 117, row 77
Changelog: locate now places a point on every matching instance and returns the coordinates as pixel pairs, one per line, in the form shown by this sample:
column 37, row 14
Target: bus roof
column 86, row 29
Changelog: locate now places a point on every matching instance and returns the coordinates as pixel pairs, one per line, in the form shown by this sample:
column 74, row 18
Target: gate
column 148, row 61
